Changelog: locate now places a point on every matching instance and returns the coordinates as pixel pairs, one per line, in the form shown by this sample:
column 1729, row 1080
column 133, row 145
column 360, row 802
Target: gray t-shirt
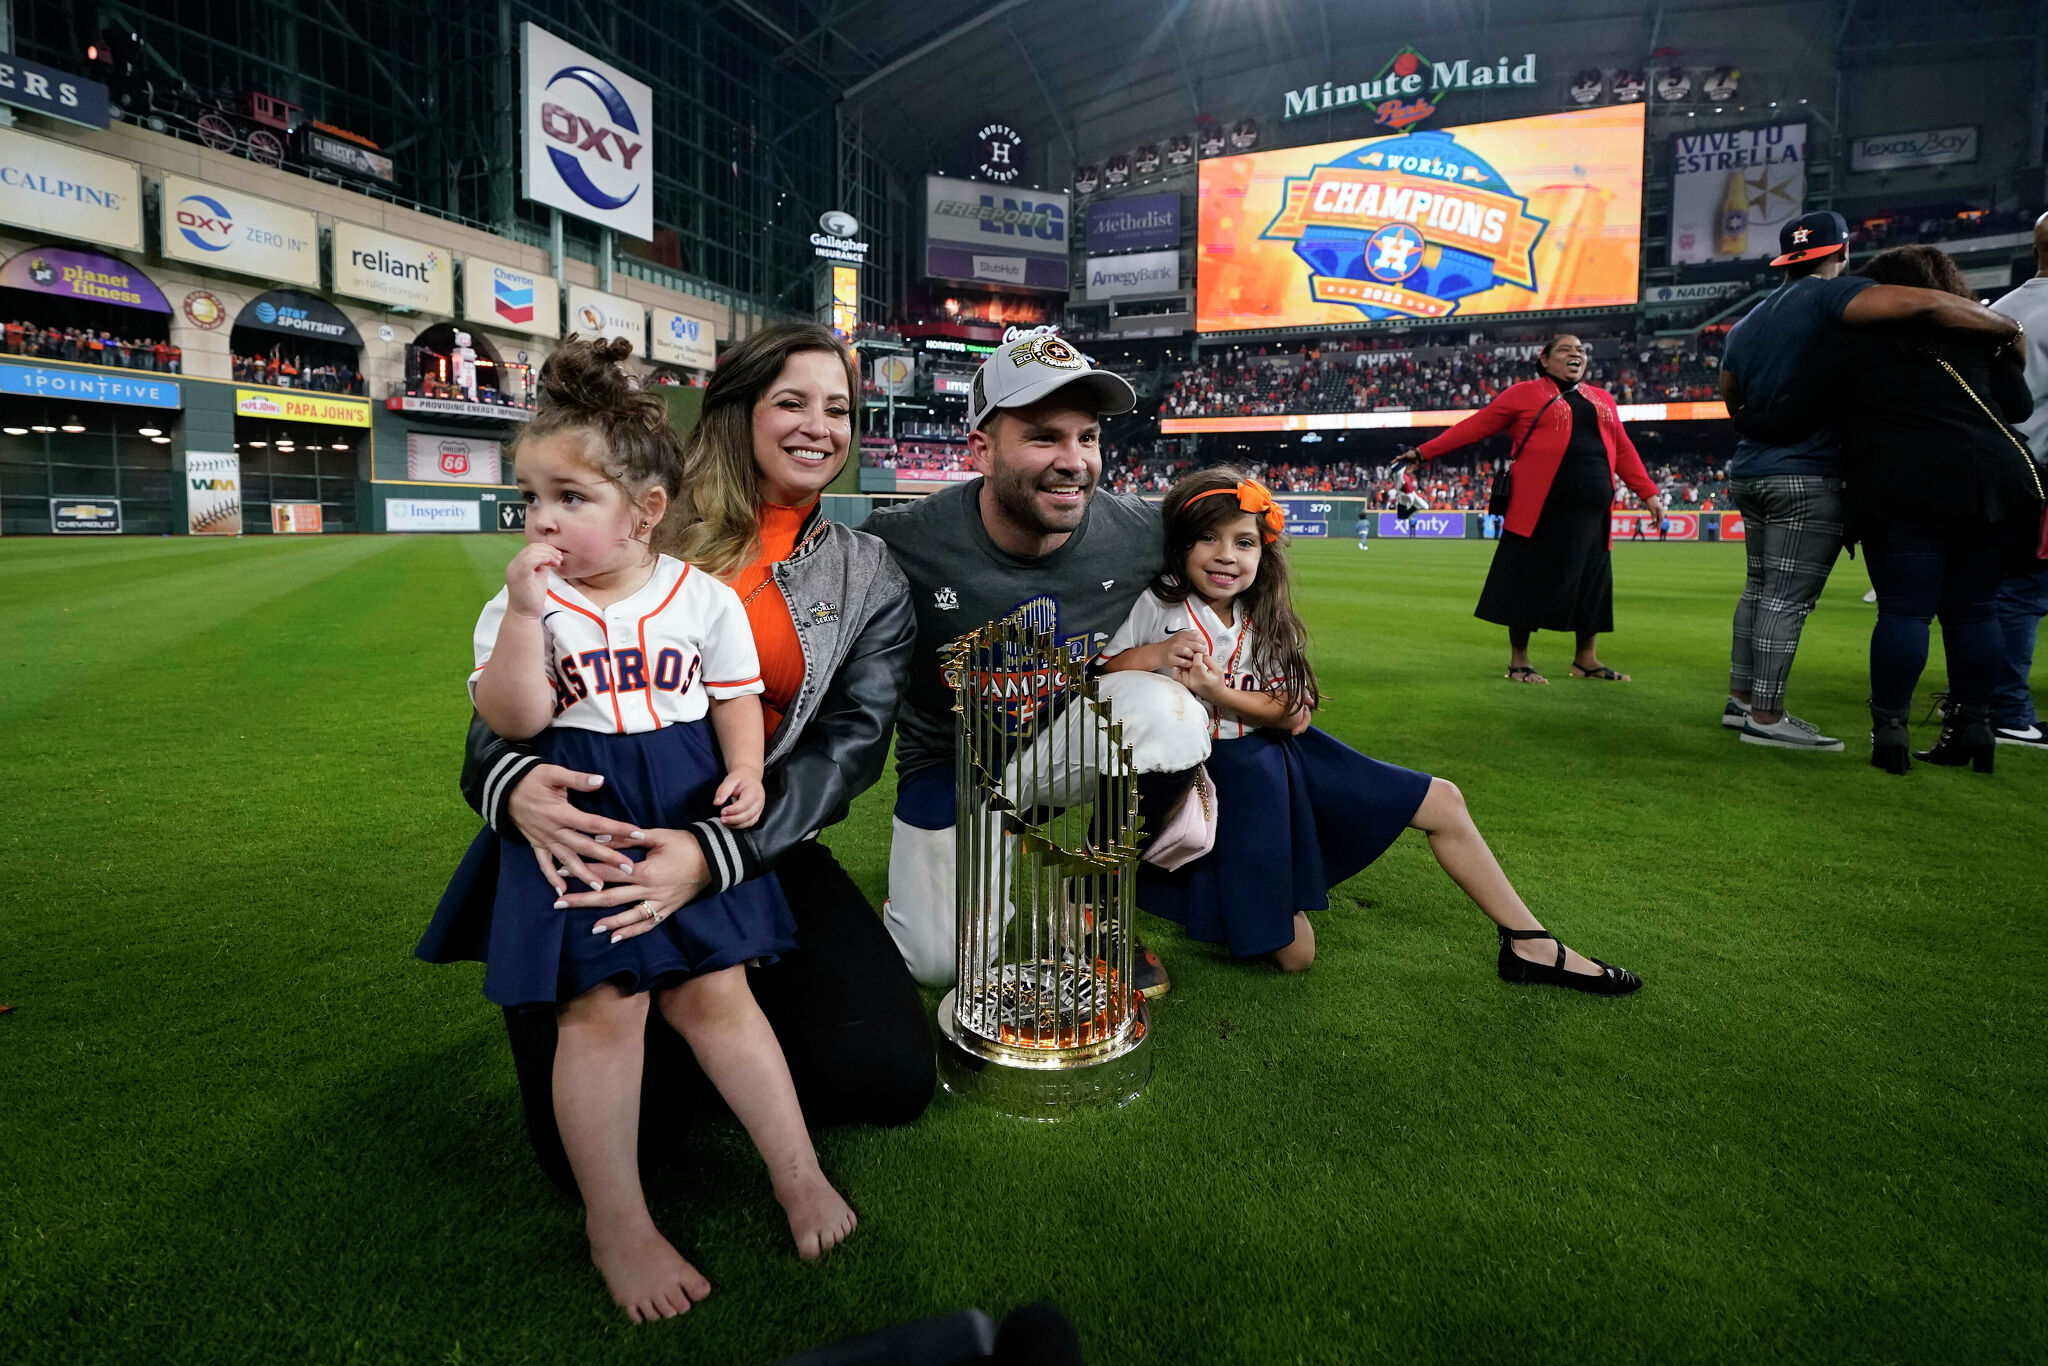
column 2028, row 306
column 960, row 579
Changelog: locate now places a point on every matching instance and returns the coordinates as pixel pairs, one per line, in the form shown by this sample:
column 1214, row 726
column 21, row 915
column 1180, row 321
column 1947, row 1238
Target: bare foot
column 1544, row 951
column 819, row 1217
column 648, row 1277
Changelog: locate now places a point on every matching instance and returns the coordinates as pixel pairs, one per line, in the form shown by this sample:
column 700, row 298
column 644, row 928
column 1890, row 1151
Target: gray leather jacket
column 851, row 607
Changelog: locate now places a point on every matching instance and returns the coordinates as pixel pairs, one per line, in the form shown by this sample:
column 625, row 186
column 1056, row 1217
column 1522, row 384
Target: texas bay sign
column 1409, row 86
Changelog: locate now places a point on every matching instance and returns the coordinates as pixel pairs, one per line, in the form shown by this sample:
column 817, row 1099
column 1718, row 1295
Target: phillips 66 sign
column 588, row 144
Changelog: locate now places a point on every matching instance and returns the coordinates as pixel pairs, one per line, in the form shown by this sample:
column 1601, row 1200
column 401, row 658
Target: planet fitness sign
column 588, row 143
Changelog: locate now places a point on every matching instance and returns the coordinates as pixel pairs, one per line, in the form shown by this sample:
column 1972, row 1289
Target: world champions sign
column 1510, row 217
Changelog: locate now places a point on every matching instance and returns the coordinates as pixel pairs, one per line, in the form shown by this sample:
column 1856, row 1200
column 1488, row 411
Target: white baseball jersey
column 647, row 661
column 1154, row 619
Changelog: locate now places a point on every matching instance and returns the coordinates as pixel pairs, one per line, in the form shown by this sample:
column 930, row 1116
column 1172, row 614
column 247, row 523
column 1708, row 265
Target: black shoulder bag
column 1504, row 482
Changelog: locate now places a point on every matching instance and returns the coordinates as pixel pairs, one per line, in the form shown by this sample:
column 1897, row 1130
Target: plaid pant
column 1793, row 526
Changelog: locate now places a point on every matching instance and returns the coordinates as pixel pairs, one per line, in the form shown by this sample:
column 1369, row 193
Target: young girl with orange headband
column 1297, row 811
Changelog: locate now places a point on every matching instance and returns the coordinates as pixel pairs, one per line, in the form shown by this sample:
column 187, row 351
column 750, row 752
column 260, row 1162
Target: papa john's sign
column 589, row 135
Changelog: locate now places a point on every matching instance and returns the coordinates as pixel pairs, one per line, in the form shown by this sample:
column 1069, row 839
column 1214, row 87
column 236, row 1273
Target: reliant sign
column 379, row 266
column 680, row 339
column 224, row 229
column 1409, row 87
column 1118, row 277
column 588, row 145
column 498, row 295
column 52, row 93
column 593, row 315
column 1143, row 223
column 53, row 187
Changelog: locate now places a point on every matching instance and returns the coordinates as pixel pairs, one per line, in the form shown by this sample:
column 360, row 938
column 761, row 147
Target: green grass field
column 241, row 1123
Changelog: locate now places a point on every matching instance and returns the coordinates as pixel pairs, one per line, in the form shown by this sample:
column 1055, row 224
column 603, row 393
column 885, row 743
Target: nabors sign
column 1410, row 86
column 589, row 135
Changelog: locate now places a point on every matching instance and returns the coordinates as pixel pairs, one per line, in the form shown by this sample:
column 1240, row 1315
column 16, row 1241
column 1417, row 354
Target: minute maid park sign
column 1405, row 227
column 1410, row 86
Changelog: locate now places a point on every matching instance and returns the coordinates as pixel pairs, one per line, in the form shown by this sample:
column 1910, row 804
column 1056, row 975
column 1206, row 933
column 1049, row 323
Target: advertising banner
column 1701, row 411
column 47, row 381
column 680, row 339
column 593, row 315
column 431, row 514
column 1675, row 295
column 1732, row 528
column 386, row 268
column 1434, row 526
column 283, row 405
column 498, row 295
column 83, row 275
column 1910, row 151
column 1141, row 223
column 1731, row 191
column 1679, row 526
column 52, row 93
column 1508, row 217
column 213, row 493
column 1147, row 272
column 53, row 187
column 85, row 516
column 290, row 313
column 453, row 459
column 895, row 375
column 511, row 516
column 589, row 132
column 343, row 154
column 294, row 518
column 224, row 229
column 1307, row 517
column 995, row 234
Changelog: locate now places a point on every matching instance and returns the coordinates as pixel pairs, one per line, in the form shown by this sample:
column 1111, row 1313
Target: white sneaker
column 1870, row 596
column 2030, row 737
column 1734, row 714
column 1788, row 732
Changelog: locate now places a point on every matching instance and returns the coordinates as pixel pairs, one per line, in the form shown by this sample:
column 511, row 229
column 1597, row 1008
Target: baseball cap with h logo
column 1036, row 365
column 1810, row 236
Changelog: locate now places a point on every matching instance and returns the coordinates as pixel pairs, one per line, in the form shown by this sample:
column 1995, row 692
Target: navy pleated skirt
column 500, row 911
column 1296, row 815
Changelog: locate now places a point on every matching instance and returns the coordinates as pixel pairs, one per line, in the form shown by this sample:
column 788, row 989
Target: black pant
column 843, row 1006
column 1922, row 570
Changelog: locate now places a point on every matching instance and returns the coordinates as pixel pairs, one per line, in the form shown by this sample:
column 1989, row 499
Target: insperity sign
column 588, row 145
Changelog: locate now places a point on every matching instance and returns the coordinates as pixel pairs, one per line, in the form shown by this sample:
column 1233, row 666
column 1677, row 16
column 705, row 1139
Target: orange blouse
column 782, row 658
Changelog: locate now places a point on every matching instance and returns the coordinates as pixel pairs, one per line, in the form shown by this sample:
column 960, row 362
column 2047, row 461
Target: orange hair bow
column 1256, row 499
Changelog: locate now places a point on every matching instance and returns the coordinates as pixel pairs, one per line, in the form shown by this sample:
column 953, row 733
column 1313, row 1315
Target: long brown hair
column 626, row 434
column 717, row 521
column 1280, row 643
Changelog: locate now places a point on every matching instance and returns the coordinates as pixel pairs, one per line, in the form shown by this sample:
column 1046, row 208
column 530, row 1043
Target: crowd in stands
column 290, row 372
column 1898, row 227
column 90, row 347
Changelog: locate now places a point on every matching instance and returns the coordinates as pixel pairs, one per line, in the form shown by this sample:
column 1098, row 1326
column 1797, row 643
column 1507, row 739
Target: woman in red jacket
column 1551, row 571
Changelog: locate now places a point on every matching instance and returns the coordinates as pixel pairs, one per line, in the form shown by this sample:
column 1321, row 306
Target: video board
column 1518, row 216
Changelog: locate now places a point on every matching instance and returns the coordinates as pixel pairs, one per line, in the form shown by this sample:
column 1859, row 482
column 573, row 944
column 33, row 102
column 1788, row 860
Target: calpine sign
column 1410, row 87
column 588, row 145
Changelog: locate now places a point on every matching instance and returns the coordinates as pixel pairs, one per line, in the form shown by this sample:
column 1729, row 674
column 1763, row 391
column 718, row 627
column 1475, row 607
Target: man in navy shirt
column 1785, row 475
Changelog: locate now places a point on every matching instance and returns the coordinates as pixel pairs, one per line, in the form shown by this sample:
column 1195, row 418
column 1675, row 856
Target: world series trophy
column 1044, row 1019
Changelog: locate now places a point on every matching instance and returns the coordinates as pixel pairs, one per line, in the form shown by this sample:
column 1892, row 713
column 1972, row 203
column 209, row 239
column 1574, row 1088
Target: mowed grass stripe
column 243, row 1124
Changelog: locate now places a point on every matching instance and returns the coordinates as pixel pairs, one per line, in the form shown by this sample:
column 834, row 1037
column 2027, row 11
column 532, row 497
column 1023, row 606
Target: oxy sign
column 589, row 134
column 209, row 225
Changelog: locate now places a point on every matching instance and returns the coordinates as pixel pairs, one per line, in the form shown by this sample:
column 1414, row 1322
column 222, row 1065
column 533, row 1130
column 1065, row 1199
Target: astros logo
column 1407, row 227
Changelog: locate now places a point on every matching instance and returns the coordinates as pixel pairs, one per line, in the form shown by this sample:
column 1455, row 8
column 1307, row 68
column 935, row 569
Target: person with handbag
column 1946, row 501
column 1552, row 570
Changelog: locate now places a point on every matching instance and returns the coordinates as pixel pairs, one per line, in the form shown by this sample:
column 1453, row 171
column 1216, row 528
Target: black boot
column 1965, row 738
column 1890, row 742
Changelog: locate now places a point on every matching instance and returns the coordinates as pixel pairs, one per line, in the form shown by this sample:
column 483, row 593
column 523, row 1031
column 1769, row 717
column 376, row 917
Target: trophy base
column 1044, row 1086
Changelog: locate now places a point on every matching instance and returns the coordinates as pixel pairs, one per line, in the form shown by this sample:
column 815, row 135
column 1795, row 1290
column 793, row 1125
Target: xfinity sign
column 589, row 132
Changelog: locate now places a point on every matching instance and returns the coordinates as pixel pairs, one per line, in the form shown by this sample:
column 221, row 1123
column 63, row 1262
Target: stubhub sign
column 589, row 135
column 1149, row 272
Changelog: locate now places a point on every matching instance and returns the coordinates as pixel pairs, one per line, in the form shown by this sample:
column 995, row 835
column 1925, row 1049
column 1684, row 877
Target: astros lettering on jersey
column 654, row 659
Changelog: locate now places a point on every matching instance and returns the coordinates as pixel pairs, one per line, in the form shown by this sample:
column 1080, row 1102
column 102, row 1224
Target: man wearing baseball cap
column 1033, row 535
column 1785, row 475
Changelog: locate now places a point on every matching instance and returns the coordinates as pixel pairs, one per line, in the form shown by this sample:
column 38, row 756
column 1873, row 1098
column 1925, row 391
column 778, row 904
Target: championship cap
column 1021, row 372
column 1812, row 235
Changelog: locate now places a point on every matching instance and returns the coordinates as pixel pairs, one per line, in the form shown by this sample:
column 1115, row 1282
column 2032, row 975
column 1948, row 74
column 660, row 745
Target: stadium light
column 44, row 427
column 15, row 431
column 339, row 446
column 74, row 426
column 149, row 431
column 259, row 445
column 160, row 441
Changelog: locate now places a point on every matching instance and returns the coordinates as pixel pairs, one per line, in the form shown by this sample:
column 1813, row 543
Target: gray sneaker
column 1788, row 732
column 1734, row 714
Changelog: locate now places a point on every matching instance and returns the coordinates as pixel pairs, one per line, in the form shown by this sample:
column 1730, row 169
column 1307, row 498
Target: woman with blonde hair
column 831, row 619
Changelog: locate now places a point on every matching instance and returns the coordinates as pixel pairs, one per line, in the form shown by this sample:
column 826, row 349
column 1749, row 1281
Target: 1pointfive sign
column 589, row 134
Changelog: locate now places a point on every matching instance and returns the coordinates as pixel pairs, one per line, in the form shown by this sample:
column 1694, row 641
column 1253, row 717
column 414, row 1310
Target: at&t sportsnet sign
column 1410, row 87
column 588, row 144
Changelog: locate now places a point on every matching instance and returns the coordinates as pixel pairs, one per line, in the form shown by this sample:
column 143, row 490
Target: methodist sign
column 369, row 264
column 53, row 187
column 498, row 295
column 285, row 405
column 589, row 134
column 593, row 314
column 995, row 234
column 1144, row 222
column 681, row 339
column 223, row 229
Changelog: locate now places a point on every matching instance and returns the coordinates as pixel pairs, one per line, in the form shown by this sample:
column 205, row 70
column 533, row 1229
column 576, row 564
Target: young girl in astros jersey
column 640, row 668
column 1297, row 811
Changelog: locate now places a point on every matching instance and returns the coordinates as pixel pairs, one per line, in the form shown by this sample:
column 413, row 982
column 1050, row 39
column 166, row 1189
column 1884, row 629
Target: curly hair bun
column 587, row 376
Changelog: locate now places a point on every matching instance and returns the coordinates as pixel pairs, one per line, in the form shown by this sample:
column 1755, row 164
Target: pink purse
column 1190, row 828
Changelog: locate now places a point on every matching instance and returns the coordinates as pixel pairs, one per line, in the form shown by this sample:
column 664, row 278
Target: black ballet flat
column 1519, row 971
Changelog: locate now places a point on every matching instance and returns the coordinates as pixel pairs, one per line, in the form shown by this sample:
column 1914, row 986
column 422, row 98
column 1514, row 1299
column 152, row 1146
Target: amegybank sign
column 213, row 226
column 53, row 187
column 1149, row 272
column 388, row 269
